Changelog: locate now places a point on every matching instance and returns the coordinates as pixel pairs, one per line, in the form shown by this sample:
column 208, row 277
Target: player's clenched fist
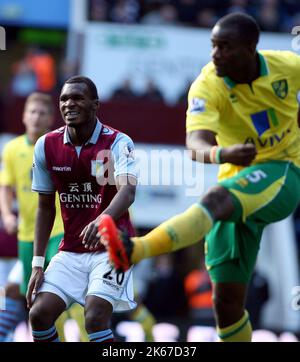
column 240, row 154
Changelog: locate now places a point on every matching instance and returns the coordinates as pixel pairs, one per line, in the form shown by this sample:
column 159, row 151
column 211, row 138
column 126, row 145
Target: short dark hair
column 246, row 26
column 90, row 84
column 44, row 98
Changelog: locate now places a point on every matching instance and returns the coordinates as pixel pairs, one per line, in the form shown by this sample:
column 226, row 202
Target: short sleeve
column 7, row 171
column 41, row 180
column 295, row 71
column 202, row 112
column 124, row 156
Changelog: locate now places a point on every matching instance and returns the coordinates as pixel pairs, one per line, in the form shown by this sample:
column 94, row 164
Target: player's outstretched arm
column 43, row 226
column 201, row 143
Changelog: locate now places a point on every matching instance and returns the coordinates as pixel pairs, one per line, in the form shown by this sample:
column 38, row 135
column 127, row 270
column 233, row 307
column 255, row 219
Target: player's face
column 229, row 53
column 37, row 118
column 76, row 104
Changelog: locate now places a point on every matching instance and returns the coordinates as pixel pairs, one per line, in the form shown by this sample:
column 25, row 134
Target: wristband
column 38, row 261
column 215, row 154
column 212, row 154
column 218, row 155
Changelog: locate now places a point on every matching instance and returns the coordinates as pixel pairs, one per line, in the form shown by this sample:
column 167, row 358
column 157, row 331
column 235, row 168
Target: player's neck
column 81, row 134
column 249, row 73
column 32, row 137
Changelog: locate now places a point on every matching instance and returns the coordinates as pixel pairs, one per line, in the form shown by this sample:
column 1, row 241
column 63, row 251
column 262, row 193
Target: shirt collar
column 263, row 71
column 27, row 141
column 94, row 137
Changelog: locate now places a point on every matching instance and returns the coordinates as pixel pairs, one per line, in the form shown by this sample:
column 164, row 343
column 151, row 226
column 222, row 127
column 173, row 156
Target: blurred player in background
column 17, row 177
column 8, row 243
column 242, row 113
column 92, row 167
column 8, row 246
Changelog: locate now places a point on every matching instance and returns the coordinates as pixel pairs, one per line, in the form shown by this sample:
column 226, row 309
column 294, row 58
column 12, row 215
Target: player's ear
column 252, row 48
column 96, row 104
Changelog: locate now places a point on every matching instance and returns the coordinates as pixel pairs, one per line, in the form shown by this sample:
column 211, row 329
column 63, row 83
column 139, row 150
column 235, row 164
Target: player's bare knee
column 96, row 321
column 12, row 291
column 34, row 317
column 39, row 318
column 218, row 201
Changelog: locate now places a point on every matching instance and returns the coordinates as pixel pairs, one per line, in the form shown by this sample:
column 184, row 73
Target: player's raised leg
column 176, row 233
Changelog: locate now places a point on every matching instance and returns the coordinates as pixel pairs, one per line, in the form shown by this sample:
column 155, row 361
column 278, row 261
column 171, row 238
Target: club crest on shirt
column 280, row 88
column 97, row 168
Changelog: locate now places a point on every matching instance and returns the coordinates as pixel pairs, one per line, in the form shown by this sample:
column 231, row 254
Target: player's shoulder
column 15, row 144
column 50, row 139
column 280, row 58
column 110, row 131
column 57, row 133
column 207, row 78
column 208, row 85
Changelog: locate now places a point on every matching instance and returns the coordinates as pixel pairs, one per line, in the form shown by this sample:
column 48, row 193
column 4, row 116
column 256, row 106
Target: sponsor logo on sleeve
column 129, row 152
column 197, row 105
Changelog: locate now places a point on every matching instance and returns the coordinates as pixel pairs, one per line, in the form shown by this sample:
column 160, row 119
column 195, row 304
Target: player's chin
column 221, row 72
column 72, row 122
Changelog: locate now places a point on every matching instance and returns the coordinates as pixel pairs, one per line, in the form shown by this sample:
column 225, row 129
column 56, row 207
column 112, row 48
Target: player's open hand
column 35, row 282
column 10, row 223
column 240, row 154
column 90, row 235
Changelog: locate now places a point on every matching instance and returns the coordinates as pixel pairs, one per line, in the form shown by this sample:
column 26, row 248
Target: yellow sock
column 142, row 315
column 176, row 233
column 60, row 324
column 241, row 331
column 76, row 312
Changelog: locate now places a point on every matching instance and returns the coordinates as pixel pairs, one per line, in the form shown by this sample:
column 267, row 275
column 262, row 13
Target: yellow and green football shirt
column 263, row 113
column 17, row 172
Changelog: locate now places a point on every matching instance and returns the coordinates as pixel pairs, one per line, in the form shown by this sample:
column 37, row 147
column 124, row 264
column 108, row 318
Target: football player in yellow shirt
column 17, row 176
column 242, row 114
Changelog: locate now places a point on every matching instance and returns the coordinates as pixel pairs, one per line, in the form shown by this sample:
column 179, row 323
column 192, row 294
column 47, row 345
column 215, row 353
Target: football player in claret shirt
column 92, row 167
column 242, row 114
